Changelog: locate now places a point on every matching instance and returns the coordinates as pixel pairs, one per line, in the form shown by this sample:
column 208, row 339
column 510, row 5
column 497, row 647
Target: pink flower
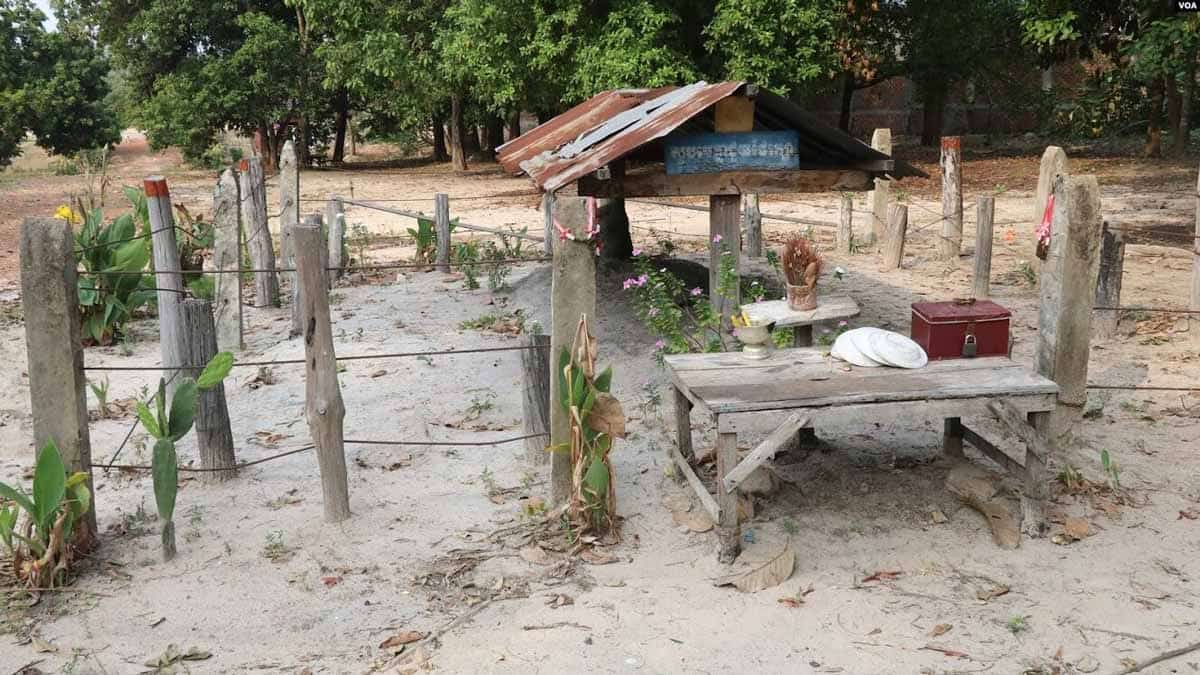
column 637, row 252
column 660, row 344
column 627, row 284
column 697, row 291
column 653, row 311
column 643, row 279
column 843, row 324
column 716, row 239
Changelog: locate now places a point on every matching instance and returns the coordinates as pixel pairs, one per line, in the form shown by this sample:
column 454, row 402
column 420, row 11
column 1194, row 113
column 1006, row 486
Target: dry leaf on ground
column 536, row 555
column 940, row 629
column 593, row 557
column 694, row 521
column 402, row 638
column 773, row 572
column 882, row 576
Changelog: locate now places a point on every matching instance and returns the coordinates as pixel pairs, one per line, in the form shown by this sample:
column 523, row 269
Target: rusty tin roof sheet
column 612, row 124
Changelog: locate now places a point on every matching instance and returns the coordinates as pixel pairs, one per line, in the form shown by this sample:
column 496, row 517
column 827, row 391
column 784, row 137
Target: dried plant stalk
column 801, row 261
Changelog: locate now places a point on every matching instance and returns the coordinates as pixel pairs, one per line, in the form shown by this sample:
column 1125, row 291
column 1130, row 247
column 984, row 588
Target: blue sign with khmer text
column 717, row 152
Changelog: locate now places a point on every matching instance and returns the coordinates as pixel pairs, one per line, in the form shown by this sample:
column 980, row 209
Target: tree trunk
column 1154, row 127
column 847, row 101
column 458, row 151
column 302, row 158
column 514, row 125
column 471, row 146
column 495, row 133
column 343, row 116
column 1174, row 105
column 1184, row 130
column 440, row 153
column 935, row 107
column 270, row 156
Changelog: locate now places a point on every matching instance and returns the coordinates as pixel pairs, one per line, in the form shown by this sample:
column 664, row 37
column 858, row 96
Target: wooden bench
column 805, row 383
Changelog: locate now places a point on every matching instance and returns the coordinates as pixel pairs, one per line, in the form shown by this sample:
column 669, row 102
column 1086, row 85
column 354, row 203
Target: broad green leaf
column 564, row 360
column 8, row 522
column 577, row 384
column 148, row 421
column 49, row 485
column 561, row 447
column 22, row 500
column 81, row 500
column 588, row 402
column 604, row 379
column 121, row 228
column 596, row 479
column 183, row 409
column 160, row 403
column 216, row 370
column 130, row 257
column 165, row 472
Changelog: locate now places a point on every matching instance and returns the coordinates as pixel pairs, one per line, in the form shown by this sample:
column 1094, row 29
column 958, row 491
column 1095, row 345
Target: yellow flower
column 64, row 212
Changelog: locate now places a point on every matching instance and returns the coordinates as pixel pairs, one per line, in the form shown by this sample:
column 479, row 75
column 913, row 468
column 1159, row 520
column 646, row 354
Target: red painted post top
column 951, row 143
column 244, row 165
column 156, row 186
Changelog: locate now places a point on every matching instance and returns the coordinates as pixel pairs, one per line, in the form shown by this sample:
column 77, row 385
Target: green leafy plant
column 361, row 238
column 195, row 236
column 1017, row 623
column 596, row 418
column 167, row 422
column 683, row 319
column 110, row 257
column 425, row 238
column 466, row 254
column 1112, row 471
column 100, row 391
column 39, row 545
column 497, row 272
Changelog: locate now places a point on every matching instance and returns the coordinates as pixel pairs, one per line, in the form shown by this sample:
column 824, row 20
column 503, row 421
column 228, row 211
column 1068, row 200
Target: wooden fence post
column 572, row 295
column 845, row 233
column 754, row 235
column 893, row 244
column 1108, row 283
column 289, row 218
column 1194, row 323
column 950, row 242
column 441, row 221
column 548, row 223
column 535, row 405
column 881, row 140
column 258, row 233
column 985, row 218
column 324, row 408
column 335, row 224
column 54, row 348
column 227, row 260
column 168, row 277
column 1067, row 290
column 214, row 438
column 1054, row 164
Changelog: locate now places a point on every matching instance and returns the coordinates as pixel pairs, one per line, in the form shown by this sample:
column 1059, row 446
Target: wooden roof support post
column 732, row 114
column 1067, row 289
column 881, row 140
column 950, row 242
column 572, row 294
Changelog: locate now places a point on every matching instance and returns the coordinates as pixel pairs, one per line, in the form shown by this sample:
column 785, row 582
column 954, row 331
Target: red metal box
column 960, row 329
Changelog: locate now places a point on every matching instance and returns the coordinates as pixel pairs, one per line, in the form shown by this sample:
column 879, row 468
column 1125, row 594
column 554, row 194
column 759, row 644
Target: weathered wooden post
column 441, row 222
column 845, row 232
column 324, row 408
column 881, row 140
column 572, row 294
column 258, row 233
column 168, row 276
column 732, row 114
column 335, row 224
column 950, row 242
column 548, row 222
column 893, row 244
column 535, row 404
column 1067, row 290
column 214, row 438
column 1194, row 323
column 754, row 235
column 985, row 218
column 1054, row 164
column 1105, row 322
column 289, row 217
column 54, row 348
column 227, row 258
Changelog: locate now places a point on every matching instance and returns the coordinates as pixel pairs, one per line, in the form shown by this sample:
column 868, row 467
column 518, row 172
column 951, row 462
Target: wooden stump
column 950, row 242
column 881, row 140
column 214, row 438
column 1105, row 322
column 323, row 408
column 535, row 404
column 168, row 277
column 985, row 214
column 441, row 223
column 753, row 218
column 335, row 224
column 893, row 251
column 227, row 258
column 54, row 348
column 257, row 233
column 845, row 232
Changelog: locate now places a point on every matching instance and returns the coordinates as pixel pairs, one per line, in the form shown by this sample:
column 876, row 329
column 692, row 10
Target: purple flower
column 641, row 281
column 697, row 291
column 660, row 344
column 843, row 324
column 637, row 252
column 627, row 284
column 716, row 238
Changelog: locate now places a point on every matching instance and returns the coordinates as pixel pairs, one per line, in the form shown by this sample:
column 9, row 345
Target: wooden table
column 830, row 308
column 804, row 383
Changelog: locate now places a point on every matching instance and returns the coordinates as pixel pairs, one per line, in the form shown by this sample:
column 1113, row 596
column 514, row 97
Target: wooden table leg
column 1036, row 490
column 683, row 424
column 802, row 336
column 729, row 533
column 952, row 437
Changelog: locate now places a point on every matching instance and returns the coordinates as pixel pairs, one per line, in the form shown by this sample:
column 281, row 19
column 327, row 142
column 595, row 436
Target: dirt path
column 264, row 585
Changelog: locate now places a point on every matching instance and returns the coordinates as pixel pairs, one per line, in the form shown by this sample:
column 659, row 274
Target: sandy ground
column 265, row 586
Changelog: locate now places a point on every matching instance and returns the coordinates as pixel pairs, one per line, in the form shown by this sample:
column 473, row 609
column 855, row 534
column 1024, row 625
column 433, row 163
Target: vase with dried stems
column 801, row 266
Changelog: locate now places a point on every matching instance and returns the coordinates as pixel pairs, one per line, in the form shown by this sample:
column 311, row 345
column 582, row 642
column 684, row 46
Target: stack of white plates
column 874, row 347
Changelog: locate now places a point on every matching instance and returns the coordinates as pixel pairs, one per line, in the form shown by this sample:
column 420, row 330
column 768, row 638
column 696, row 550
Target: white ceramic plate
column 845, row 349
column 861, row 339
column 897, row 350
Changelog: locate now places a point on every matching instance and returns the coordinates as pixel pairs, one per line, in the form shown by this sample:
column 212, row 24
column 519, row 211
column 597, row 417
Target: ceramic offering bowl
column 755, row 340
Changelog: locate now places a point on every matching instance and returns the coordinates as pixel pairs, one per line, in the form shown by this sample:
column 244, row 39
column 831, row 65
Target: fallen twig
column 1141, row 665
column 1118, row 633
column 559, row 624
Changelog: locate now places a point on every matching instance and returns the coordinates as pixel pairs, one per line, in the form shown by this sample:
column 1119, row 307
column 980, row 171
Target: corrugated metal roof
column 615, row 123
